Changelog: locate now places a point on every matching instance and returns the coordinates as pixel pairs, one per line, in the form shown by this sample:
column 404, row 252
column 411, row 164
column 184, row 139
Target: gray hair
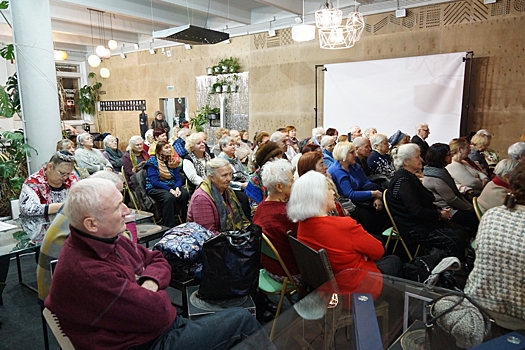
column 484, row 132
column 376, row 139
column 341, row 150
column 224, row 141
column 517, row 150
column 192, row 140
column 404, row 153
column 115, row 178
column 307, row 197
column 368, row 132
column 214, row 164
column 275, row 172
column 81, row 138
column 420, row 126
column 317, row 132
column 84, row 200
column 108, row 139
column 360, row 141
column 326, row 140
column 505, row 167
column 353, row 129
column 133, row 141
column 184, row 132
column 148, row 134
column 277, row 137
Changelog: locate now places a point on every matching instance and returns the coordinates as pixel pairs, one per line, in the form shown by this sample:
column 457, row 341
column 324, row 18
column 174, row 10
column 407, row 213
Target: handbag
column 231, row 263
column 460, row 321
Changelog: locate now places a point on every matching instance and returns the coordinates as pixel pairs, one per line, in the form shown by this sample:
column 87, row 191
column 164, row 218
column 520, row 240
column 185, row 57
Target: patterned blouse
column 36, row 194
column 381, row 164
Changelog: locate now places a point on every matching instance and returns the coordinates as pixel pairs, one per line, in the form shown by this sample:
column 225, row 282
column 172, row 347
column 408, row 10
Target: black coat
column 423, row 145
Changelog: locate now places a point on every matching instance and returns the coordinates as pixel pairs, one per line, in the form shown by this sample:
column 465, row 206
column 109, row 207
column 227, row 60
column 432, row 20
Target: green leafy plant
column 200, row 118
column 10, row 98
column 13, row 167
column 88, row 95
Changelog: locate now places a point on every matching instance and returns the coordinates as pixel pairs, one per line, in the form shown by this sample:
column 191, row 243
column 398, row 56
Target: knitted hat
column 396, row 138
column 266, row 152
column 157, row 113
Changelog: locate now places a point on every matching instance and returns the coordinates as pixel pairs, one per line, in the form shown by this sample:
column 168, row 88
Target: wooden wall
column 282, row 72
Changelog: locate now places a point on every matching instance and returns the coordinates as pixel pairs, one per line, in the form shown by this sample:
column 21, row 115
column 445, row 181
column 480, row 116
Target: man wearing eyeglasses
column 422, row 133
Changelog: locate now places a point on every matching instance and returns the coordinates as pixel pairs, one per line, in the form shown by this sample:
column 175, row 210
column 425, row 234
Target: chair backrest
column 54, row 324
column 314, row 265
column 139, row 183
column 477, row 210
column 129, row 190
column 390, row 214
column 268, row 249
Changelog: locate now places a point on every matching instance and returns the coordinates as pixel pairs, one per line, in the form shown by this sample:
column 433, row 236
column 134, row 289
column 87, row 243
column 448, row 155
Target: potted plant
column 88, row 95
column 234, row 65
column 235, row 85
column 10, row 98
column 209, row 70
column 200, row 118
column 214, row 113
column 217, row 69
column 217, row 87
column 13, row 167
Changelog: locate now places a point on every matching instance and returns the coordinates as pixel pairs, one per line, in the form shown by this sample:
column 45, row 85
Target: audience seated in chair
column 88, row 157
column 348, row 245
column 465, row 175
column 214, row 204
column 194, row 163
column 438, row 180
column 163, row 183
column 412, row 207
column 496, row 282
column 134, row 158
column 494, row 193
column 112, row 153
column 109, row 293
column 271, row 216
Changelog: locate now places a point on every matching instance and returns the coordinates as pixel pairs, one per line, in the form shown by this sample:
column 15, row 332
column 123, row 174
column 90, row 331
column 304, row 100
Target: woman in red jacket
column 347, row 243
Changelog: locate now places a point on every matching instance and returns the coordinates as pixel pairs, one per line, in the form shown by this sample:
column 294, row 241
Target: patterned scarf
column 200, row 168
column 115, row 157
column 234, row 220
column 134, row 160
column 163, row 169
column 443, row 174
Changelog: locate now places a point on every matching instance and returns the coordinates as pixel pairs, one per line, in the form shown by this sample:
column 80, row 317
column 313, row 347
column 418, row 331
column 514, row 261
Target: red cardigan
column 348, row 246
column 271, row 216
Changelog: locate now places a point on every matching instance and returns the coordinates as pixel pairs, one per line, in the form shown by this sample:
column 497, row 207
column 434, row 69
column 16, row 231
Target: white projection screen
column 397, row 94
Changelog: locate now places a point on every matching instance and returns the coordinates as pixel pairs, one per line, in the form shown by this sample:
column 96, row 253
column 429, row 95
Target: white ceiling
column 133, row 21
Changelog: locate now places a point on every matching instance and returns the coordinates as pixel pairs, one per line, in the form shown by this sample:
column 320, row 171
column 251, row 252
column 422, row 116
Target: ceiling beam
column 213, row 8
column 293, row 6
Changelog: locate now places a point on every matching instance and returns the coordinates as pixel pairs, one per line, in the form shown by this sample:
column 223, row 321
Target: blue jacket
column 328, row 158
column 180, row 147
column 352, row 183
column 153, row 177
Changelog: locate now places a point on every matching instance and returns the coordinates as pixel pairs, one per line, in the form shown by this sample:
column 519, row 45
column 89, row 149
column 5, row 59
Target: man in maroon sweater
column 109, row 293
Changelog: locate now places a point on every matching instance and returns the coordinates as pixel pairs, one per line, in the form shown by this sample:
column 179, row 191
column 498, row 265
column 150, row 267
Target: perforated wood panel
column 282, row 73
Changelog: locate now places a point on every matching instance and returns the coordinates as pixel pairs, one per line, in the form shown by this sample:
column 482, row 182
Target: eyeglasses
column 62, row 175
column 426, row 130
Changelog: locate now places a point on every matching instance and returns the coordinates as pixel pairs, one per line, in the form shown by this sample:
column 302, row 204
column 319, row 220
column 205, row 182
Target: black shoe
column 263, row 316
column 269, row 305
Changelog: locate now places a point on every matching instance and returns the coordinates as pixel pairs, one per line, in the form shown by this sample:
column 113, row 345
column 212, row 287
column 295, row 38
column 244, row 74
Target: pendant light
column 303, row 32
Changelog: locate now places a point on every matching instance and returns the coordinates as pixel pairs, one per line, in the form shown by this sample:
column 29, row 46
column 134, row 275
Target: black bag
column 230, row 264
column 418, row 269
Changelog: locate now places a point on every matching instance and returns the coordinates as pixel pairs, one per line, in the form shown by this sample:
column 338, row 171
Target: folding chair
column 270, row 286
column 59, row 334
column 394, row 234
column 129, row 191
column 479, row 214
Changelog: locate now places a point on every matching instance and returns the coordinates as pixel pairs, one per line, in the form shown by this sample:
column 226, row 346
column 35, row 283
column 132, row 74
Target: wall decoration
column 125, row 105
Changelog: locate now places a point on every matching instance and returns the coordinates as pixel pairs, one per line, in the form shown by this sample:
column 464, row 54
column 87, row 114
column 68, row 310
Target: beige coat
column 444, row 195
column 491, row 196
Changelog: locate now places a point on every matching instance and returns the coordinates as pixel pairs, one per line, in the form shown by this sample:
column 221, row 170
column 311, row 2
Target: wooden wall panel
column 282, row 73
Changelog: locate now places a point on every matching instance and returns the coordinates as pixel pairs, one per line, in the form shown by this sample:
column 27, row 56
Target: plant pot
column 235, row 88
column 218, row 89
column 15, row 209
column 209, row 70
column 212, row 116
column 225, row 88
column 210, row 90
column 217, row 70
column 225, row 69
column 232, row 70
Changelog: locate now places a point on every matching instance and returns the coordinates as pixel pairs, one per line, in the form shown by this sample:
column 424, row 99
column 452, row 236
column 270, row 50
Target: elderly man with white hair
column 517, row 151
column 493, row 194
column 281, row 138
column 180, row 143
column 422, row 133
column 362, row 151
column 110, row 293
column 353, row 132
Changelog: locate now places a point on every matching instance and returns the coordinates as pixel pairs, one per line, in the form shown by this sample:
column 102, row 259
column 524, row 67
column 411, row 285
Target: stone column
column 32, row 37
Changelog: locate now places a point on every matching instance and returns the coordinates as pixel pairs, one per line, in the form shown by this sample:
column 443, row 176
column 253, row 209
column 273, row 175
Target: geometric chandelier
column 333, row 35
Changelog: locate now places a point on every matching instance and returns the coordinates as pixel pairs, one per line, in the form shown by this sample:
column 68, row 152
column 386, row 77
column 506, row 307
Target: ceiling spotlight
column 122, row 52
column 298, row 20
column 163, row 51
column 227, row 41
column 136, row 46
column 152, row 51
column 187, row 46
column 271, row 33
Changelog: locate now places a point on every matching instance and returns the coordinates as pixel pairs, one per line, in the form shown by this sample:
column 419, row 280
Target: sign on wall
column 125, row 105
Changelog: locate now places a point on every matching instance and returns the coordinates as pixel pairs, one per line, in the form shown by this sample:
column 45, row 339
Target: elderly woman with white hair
column 194, row 163
column 112, row 153
column 379, row 161
column 88, row 157
column 134, row 158
column 479, row 143
column 271, row 216
column 214, row 204
column 412, row 207
column 327, row 146
column 317, row 133
column 517, row 151
column 347, row 243
column 493, row 194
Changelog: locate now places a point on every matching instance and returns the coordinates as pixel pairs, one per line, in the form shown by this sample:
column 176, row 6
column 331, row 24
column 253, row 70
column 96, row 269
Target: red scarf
column 499, row 182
